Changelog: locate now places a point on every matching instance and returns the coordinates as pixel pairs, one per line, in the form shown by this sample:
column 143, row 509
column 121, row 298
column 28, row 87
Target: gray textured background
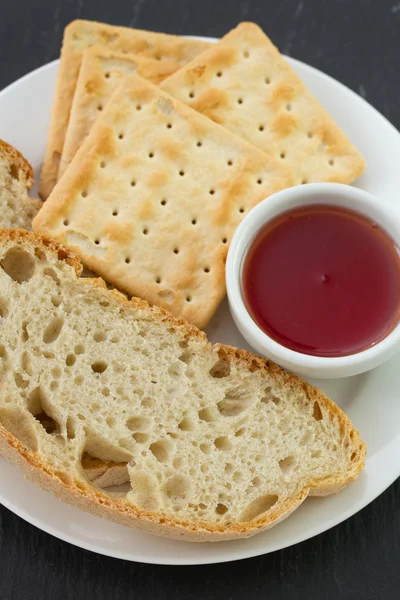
column 357, row 42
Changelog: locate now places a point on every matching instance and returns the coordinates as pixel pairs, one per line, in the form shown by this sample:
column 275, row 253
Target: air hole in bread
column 136, row 424
column 65, row 222
column 106, row 474
column 194, row 221
column 111, row 421
column 177, row 488
column 258, row 507
column 224, row 240
column 181, row 173
column 14, row 171
column 208, row 414
column 283, row 155
column 148, row 402
column 161, row 450
column 261, row 128
column 240, row 432
column 235, row 402
column 71, row 428
column 331, row 162
column 145, row 490
column 105, row 392
column 188, row 298
column 20, row 381
column 186, row 424
column 100, row 336
column 18, row 264
column 139, row 437
column 176, row 250
column 100, row 107
column 310, row 135
column 228, row 468
column 354, row 454
column 53, row 330
column 205, row 448
column 307, row 437
column 99, row 366
column 169, row 125
column 286, row 464
column 221, row 509
column 24, row 333
column 26, row 363
column 177, row 462
column 79, row 349
column 212, row 191
column 56, row 300
column 237, row 477
column 151, row 154
column 240, row 101
column 222, row 368
column 241, row 209
column 223, row 443
column 3, row 352
column 39, row 407
column 163, row 202
column 120, row 136
column 303, row 181
column 288, row 107
column 256, row 482
column 138, row 107
column 3, row 308
column 191, row 94
column 317, row 413
column 51, row 273
column 315, row 453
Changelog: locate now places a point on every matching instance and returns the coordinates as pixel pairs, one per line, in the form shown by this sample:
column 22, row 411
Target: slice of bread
column 17, row 209
column 215, row 442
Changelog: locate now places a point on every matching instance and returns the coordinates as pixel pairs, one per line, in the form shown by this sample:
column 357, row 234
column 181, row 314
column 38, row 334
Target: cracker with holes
column 153, row 197
column 80, row 35
column 244, row 84
column 99, row 75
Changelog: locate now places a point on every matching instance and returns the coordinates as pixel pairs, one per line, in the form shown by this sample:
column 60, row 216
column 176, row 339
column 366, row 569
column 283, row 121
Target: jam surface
column 323, row 280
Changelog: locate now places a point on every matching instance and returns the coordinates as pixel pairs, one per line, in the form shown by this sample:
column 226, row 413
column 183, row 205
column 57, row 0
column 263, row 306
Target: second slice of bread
column 17, row 209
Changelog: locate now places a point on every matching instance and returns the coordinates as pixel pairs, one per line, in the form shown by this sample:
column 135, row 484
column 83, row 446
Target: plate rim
column 93, row 546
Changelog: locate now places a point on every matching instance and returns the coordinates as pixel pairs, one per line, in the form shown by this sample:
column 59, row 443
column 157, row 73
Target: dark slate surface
column 357, row 42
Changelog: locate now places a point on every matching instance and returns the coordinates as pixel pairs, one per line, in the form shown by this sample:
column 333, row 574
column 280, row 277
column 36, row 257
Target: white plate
column 371, row 400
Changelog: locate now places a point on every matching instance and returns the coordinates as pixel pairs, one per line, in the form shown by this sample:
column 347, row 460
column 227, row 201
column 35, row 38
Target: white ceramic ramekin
column 314, row 193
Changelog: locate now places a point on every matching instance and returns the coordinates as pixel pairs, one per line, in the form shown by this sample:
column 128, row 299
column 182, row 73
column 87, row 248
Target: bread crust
column 79, row 493
column 13, row 156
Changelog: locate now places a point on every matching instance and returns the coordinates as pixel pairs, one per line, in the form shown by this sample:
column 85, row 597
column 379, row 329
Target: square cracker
column 244, row 83
column 153, row 196
column 99, row 75
column 80, row 35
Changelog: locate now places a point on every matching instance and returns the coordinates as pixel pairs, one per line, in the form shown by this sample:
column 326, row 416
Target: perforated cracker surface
column 153, row 196
column 98, row 79
column 80, row 35
column 244, row 84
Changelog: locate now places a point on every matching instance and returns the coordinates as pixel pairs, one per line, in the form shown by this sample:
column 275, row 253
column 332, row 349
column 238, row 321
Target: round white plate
column 371, row 400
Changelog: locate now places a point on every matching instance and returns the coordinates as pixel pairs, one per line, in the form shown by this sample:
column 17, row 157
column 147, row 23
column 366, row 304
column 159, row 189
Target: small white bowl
column 313, row 193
